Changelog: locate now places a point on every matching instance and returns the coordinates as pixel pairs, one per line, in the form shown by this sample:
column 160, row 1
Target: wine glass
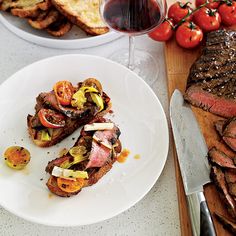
column 134, row 17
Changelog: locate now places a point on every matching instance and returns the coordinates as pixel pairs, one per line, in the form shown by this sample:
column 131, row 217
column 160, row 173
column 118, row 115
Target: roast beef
column 218, row 178
column 228, row 224
column 100, row 154
column 227, row 130
column 212, row 79
column 219, row 158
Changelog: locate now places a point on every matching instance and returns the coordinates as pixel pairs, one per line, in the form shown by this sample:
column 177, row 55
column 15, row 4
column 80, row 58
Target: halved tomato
column 17, row 157
column 51, row 119
column 70, row 186
column 64, row 91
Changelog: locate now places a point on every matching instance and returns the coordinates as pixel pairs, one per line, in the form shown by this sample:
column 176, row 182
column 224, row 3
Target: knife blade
column 192, row 157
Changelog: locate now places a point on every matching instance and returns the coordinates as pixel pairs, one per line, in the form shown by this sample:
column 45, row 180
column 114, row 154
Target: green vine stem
column 194, row 10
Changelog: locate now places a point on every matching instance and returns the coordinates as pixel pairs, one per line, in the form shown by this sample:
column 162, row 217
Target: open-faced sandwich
column 64, row 109
column 87, row 161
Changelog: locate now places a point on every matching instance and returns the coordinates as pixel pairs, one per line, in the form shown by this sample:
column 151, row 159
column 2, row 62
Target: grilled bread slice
column 83, row 13
column 97, row 158
column 73, row 117
column 25, row 8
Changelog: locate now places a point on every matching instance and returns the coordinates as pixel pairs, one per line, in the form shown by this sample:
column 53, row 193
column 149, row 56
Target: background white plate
column 144, row 131
column 75, row 39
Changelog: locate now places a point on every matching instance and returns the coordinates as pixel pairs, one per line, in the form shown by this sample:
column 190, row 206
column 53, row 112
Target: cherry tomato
column 179, row 10
column 17, row 157
column 211, row 4
column 189, row 35
column 207, row 19
column 70, row 186
column 228, row 13
column 51, row 119
column 64, row 92
column 163, row 32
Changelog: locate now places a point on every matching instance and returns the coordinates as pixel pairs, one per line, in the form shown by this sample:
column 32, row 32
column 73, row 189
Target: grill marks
column 212, row 78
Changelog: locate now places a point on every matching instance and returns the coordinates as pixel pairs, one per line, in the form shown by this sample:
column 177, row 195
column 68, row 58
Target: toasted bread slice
column 73, row 117
column 95, row 172
column 84, row 14
column 25, row 8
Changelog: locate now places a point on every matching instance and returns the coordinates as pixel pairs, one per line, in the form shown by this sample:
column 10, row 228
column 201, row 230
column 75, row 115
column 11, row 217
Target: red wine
column 132, row 16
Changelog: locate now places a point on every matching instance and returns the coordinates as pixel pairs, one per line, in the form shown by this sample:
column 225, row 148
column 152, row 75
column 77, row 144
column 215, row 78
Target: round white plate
column 75, row 39
column 144, row 131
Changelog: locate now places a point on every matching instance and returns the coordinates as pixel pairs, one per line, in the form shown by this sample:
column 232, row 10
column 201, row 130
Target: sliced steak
column 219, row 125
column 100, row 153
column 219, row 158
column 230, row 128
column 210, row 102
column 227, row 130
column 49, row 100
column 230, row 176
column 212, row 79
column 218, row 178
column 227, row 224
column 231, row 142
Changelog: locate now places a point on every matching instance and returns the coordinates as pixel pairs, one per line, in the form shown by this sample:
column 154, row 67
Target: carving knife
column 192, row 156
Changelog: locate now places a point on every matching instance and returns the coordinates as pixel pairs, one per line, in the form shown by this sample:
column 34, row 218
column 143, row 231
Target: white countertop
column 157, row 213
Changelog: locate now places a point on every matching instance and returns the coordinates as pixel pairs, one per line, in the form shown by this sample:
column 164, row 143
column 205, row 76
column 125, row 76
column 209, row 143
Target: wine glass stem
column 131, row 53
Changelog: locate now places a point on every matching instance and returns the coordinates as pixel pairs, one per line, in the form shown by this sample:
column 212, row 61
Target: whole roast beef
column 212, row 79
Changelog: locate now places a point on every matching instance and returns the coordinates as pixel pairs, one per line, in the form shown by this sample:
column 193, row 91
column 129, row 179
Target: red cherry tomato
column 207, row 19
column 163, row 32
column 228, row 13
column 51, row 119
column 211, row 4
column 188, row 35
column 179, row 10
column 64, row 92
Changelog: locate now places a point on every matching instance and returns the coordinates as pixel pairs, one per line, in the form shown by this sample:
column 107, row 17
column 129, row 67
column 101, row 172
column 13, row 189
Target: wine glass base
column 145, row 64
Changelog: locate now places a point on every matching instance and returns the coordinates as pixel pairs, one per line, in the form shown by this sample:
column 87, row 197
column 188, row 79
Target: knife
column 192, row 156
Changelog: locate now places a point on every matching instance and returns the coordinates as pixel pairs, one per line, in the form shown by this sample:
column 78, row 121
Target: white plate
column 144, row 131
column 75, row 39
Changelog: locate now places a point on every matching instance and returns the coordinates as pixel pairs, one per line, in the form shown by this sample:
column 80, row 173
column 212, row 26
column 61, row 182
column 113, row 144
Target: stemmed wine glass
column 134, row 17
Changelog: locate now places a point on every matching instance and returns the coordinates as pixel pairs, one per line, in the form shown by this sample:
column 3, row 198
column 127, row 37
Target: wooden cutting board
column 178, row 63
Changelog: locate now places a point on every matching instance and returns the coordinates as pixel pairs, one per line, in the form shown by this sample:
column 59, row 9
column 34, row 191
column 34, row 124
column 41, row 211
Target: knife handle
column 202, row 224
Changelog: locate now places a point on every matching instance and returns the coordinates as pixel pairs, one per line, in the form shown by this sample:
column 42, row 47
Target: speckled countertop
column 157, row 212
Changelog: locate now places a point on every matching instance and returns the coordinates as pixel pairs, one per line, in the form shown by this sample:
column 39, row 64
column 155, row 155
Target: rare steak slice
column 227, row 130
column 217, row 157
column 228, row 224
column 218, row 178
column 212, row 79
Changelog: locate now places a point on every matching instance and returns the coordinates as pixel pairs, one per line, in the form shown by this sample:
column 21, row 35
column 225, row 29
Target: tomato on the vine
column 163, row 32
column 207, row 19
column 211, row 4
column 228, row 12
column 189, row 35
column 179, row 10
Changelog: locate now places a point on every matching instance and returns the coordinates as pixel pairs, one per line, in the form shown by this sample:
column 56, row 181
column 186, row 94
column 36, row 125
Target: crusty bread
column 84, row 13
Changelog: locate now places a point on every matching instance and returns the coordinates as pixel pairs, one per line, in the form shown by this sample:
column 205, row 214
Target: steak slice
column 230, row 176
column 227, row 130
column 210, row 102
column 231, row 142
column 212, row 78
column 218, row 178
column 219, row 158
column 227, row 224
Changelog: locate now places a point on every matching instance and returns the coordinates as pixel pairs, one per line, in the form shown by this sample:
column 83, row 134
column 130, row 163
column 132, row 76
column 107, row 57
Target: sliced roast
column 219, row 158
column 102, row 147
column 227, row 224
column 218, row 178
column 227, row 130
column 212, row 78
